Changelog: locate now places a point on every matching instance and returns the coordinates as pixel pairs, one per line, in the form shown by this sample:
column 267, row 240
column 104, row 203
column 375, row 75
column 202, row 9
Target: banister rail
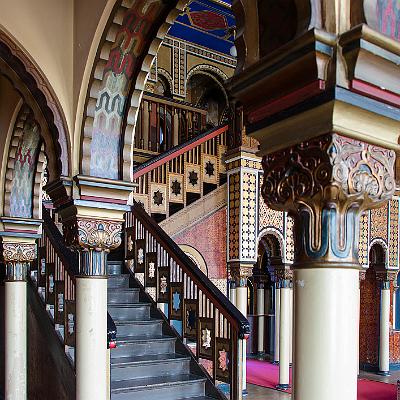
column 183, row 174
column 57, row 269
column 212, row 327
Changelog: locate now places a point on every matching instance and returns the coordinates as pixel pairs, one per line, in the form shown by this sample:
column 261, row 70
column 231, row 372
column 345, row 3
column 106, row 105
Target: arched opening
column 370, row 308
column 262, row 287
column 205, row 90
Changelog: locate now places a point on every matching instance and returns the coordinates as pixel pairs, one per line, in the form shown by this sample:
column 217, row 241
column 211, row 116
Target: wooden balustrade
column 182, row 175
column 210, row 325
column 164, row 123
column 57, row 268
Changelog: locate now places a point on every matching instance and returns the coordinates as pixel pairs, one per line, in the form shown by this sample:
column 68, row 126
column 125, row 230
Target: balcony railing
column 176, row 178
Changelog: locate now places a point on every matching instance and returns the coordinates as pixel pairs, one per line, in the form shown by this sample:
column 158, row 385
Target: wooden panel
column 222, row 362
column 206, row 338
column 151, row 270
column 210, row 173
column 59, row 303
column 175, row 301
column 192, row 178
column 69, row 324
column 176, row 188
column 163, row 285
column 158, row 198
column 50, row 283
column 130, row 236
column 190, row 319
column 140, row 255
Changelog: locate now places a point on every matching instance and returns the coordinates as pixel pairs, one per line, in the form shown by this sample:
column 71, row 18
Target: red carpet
column 265, row 374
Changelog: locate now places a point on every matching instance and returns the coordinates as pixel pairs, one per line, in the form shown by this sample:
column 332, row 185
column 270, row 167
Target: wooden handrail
column 174, row 103
column 231, row 313
column 177, row 151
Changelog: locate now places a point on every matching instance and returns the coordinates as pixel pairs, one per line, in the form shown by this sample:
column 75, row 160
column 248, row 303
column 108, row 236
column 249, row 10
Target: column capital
column 325, row 183
column 282, row 273
column 386, row 276
column 240, row 272
column 17, row 256
column 92, row 234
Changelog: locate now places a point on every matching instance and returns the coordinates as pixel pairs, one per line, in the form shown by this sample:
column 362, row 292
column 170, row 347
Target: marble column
column 277, row 322
column 241, row 272
column 260, row 317
column 326, row 183
column 291, row 325
column 232, row 292
column 17, row 257
column 284, row 335
column 384, row 329
column 93, row 239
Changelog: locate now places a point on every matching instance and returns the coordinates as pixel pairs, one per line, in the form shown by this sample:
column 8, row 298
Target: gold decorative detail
column 326, row 183
column 99, row 235
column 19, row 252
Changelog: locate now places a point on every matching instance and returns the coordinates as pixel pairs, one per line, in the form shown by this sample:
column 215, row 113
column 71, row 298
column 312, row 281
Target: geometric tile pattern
column 364, row 235
column 249, row 230
column 394, row 235
column 379, row 223
column 234, row 210
column 289, row 239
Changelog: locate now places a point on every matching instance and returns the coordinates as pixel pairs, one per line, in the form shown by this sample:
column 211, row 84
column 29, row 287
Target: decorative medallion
column 152, row 270
column 223, row 360
column 140, row 258
column 176, row 187
column 193, row 178
column 163, row 285
column 158, row 198
column 176, row 301
column 209, row 168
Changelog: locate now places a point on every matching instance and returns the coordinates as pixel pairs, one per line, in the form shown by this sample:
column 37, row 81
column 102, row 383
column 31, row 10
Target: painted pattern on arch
column 129, row 45
column 388, row 16
column 21, row 194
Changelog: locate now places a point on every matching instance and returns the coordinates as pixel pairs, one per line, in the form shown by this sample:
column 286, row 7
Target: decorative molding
column 327, row 182
column 93, row 234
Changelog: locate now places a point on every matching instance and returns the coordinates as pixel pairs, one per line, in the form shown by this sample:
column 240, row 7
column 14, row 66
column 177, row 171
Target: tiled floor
column 261, row 393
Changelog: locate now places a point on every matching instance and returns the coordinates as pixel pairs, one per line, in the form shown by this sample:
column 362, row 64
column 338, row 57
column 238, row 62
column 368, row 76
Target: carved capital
column 241, row 272
column 386, row 276
column 19, row 252
column 17, row 257
column 326, row 183
column 282, row 273
column 92, row 234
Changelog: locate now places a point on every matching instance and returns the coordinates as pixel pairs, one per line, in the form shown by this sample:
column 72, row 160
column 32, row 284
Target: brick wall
column 209, row 238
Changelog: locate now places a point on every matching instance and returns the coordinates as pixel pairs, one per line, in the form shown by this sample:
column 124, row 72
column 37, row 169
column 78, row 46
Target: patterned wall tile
column 364, row 235
column 249, row 211
column 234, row 210
column 394, row 233
column 379, row 223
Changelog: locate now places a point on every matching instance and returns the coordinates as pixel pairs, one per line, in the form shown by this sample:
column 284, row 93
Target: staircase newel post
column 93, row 239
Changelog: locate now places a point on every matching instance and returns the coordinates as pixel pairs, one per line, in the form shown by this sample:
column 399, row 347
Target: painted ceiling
column 208, row 23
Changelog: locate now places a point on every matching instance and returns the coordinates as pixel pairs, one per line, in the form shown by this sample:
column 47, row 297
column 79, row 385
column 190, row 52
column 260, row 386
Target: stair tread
column 129, row 305
column 135, row 339
column 149, row 359
column 150, row 321
column 144, row 383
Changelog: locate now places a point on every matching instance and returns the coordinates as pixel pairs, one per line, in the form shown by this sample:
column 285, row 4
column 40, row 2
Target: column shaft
column 291, row 326
column 91, row 338
column 325, row 339
column 241, row 304
column 284, row 335
column 384, row 329
column 260, row 313
column 277, row 315
column 15, row 340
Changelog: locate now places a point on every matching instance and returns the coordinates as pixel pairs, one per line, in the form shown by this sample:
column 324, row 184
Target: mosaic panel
column 289, row 239
column 379, row 223
column 221, row 284
column 234, row 210
column 364, row 234
column 394, row 235
column 249, row 211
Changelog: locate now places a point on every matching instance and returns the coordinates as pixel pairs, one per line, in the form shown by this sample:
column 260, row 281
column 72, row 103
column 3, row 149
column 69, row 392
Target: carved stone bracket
column 325, row 183
column 17, row 257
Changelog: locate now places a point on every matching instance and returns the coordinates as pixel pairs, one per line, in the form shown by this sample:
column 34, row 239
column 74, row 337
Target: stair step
column 149, row 366
column 118, row 281
column 159, row 388
column 140, row 346
column 129, row 312
column 114, row 267
column 147, row 328
column 130, row 295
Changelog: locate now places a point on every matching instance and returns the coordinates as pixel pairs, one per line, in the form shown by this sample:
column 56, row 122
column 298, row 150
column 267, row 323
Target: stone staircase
column 150, row 361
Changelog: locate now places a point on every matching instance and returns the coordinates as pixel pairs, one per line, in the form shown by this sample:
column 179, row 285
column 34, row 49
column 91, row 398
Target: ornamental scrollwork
column 326, row 183
column 100, row 235
column 19, row 252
